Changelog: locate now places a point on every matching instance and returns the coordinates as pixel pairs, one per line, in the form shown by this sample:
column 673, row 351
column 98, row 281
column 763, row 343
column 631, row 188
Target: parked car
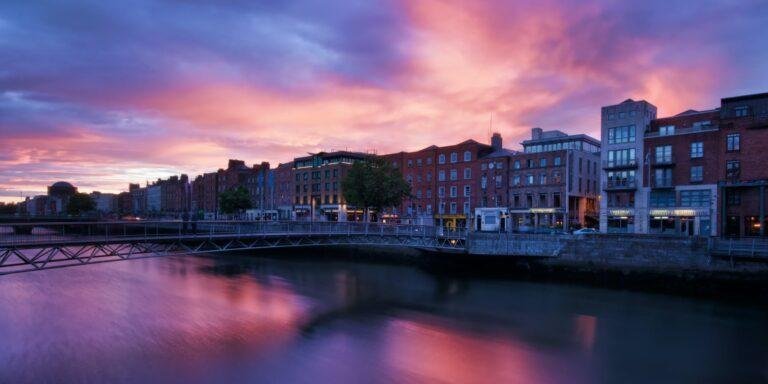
column 585, row 231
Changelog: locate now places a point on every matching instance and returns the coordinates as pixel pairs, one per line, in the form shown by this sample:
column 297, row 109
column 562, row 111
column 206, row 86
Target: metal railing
column 754, row 247
column 24, row 234
column 621, row 163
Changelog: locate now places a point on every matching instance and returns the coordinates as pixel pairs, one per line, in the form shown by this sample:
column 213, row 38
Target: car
column 585, row 231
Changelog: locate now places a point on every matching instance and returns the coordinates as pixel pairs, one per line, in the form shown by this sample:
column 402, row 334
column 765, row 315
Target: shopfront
column 681, row 222
column 621, row 221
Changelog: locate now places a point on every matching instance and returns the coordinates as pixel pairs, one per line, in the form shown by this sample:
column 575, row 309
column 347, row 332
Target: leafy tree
column 374, row 184
column 80, row 203
column 7, row 209
column 234, row 200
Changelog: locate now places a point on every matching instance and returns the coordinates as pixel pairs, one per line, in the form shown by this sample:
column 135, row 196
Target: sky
column 102, row 93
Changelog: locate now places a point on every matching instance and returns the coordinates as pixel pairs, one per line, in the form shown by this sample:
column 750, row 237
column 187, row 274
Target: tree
column 7, row 209
column 234, row 200
column 80, row 203
column 374, row 184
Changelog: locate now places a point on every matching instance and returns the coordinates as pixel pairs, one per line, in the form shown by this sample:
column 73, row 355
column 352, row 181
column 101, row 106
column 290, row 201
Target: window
column 429, row 193
column 542, row 199
column 697, row 173
column 441, row 192
column 499, row 165
column 467, row 156
column 733, row 197
column 732, row 142
column 517, row 164
column 454, row 157
column 664, row 154
column 466, row 208
column 621, row 157
column 556, row 200
column 454, row 174
column 454, row 191
column 556, row 177
column 418, row 162
column 543, row 179
column 619, row 135
column 467, row 191
column 327, row 173
column 418, row 193
column 429, row 161
column 429, row 176
column 530, row 163
column 742, row 111
column 666, row 130
column 732, row 169
column 483, row 182
column 516, row 199
column 467, row 173
column 410, row 163
column 622, row 115
column 516, row 180
column 441, row 175
column 699, row 125
column 697, row 150
column 483, row 166
column 453, row 208
column 557, row 161
column 498, row 181
column 441, row 159
column 662, row 177
column 662, row 198
column 530, row 180
column 336, row 173
column 543, row 162
column 695, row 198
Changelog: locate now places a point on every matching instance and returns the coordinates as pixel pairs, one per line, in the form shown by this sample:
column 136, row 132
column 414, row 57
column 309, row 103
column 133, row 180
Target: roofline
column 744, row 97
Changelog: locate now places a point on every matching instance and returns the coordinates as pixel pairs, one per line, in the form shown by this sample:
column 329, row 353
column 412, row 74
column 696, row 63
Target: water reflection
column 191, row 319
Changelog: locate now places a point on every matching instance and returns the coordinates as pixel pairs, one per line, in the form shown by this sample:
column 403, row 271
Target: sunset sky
column 103, row 93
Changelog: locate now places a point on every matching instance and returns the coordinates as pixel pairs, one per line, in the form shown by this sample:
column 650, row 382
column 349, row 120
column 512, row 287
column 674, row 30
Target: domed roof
column 62, row 184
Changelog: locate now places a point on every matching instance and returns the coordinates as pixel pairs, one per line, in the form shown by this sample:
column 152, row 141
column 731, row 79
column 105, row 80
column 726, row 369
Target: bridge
column 29, row 246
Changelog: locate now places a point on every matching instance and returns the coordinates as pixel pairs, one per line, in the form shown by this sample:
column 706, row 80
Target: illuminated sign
column 621, row 212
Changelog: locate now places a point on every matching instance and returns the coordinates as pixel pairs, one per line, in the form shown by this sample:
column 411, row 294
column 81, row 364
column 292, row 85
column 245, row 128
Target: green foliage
column 80, row 203
column 374, row 184
column 234, row 200
column 7, row 209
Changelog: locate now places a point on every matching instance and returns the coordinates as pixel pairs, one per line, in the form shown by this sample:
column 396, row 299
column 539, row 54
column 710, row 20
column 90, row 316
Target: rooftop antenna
column 490, row 126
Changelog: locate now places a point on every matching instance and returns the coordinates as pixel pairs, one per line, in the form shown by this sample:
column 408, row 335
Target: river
column 248, row 319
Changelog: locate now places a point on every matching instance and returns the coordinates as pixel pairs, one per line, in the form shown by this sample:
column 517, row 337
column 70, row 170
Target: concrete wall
column 601, row 251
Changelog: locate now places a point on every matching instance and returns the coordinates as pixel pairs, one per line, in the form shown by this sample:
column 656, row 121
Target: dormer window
column 667, row 130
column 742, row 111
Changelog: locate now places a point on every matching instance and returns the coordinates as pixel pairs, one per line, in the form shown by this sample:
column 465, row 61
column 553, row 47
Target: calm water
column 190, row 319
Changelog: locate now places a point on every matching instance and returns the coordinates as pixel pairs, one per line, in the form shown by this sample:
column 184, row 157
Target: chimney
column 496, row 141
column 536, row 133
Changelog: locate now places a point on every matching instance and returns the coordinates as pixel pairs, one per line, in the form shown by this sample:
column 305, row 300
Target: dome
column 62, row 184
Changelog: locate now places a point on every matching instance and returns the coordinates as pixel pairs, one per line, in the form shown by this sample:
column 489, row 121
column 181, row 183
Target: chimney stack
column 536, row 133
column 496, row 141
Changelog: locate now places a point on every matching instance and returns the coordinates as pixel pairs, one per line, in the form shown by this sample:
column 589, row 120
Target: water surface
column 246, row 319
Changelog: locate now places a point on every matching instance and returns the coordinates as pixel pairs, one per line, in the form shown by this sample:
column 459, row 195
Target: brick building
column 695, row 173
column 445, row 182
column 554, row 182
column 284, row 190
column 681, row 169
column 317, row 186
column 743, row 166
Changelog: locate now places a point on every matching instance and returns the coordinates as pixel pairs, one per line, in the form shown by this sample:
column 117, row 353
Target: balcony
column 621, row 164
column 663, row 161
column 620, row 185
column 683, row 131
